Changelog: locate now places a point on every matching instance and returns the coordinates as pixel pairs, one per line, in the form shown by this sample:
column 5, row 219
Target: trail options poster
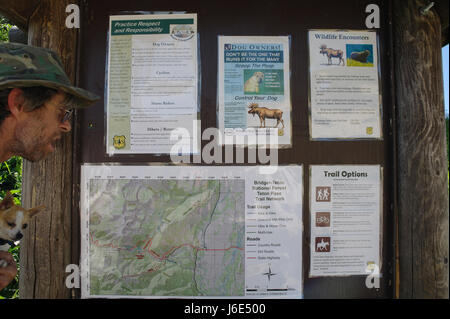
column 191, row 231
column 152, row 83
column 254, row 106
column 345, row 207
column 344, row 101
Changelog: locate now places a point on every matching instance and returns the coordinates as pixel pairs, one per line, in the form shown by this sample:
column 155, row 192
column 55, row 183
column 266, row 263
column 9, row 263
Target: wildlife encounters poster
column 254, row 106
column 344, row 88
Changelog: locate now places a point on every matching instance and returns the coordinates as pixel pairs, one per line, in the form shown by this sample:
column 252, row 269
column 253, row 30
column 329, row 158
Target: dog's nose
column 19, row 236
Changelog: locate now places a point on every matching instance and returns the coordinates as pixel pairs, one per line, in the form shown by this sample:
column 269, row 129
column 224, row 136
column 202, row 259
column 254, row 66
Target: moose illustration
column 264, row 112
column 331, row 53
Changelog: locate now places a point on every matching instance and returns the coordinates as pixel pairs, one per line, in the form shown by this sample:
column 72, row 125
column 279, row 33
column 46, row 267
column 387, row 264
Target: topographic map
column 166, row 237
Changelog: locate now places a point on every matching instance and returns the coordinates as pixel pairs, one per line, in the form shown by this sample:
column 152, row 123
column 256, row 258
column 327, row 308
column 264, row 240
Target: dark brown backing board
column 268, row 18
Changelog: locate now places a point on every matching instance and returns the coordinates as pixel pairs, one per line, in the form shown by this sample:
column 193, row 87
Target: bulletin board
column 291, row 19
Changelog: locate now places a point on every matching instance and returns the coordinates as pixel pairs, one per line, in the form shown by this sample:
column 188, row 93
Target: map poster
column 345, row 99
column 254, row 105
column 152, row 83
column 345, row 208
column 191, row 232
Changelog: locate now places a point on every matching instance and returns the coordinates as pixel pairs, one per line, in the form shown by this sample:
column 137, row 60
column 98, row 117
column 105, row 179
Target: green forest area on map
column 166, row 237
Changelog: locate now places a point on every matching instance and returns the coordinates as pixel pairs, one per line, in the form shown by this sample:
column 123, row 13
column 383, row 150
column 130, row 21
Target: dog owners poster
column 254, row 106
column 345, row 99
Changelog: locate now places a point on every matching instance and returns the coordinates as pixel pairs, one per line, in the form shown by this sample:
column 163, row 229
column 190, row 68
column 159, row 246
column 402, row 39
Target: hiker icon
column 323, row 194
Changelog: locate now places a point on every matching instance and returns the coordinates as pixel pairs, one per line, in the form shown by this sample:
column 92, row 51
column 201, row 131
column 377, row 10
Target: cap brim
column 85, row 97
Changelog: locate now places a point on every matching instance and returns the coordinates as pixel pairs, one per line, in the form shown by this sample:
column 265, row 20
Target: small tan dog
column 252, row 84
column 13, row 219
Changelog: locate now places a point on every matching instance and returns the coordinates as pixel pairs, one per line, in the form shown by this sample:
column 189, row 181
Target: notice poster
column 254, row 106
column 345, row 101
column 191, row 232
column 345, row 208
column 152, row 83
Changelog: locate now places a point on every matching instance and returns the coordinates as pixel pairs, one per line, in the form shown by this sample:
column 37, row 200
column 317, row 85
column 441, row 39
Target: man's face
column 38, row 131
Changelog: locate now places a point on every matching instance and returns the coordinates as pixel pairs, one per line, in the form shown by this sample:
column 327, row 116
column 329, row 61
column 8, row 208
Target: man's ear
column 15, row 101
column 35, row 210
column 7, row 202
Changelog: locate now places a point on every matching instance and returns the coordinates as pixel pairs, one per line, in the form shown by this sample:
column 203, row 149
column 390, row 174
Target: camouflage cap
column 25, row 66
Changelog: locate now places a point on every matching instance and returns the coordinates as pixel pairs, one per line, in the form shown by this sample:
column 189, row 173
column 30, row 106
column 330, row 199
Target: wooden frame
column 415, row 204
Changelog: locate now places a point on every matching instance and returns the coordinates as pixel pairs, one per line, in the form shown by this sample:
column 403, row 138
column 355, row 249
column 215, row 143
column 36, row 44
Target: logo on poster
column 181, row 32
column 323, row 219
column 323, row 244
column 119, row 141
column 323, row 194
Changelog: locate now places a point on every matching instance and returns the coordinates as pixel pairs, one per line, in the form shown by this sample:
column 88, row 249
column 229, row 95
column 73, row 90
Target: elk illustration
column 264, row 112
column 331, row 53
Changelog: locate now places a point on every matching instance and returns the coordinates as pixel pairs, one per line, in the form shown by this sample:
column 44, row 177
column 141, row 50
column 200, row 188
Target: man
column 36, row 103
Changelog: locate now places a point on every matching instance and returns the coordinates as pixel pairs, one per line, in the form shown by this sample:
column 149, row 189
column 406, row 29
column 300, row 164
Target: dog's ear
column 35, row 210
column 7, row 202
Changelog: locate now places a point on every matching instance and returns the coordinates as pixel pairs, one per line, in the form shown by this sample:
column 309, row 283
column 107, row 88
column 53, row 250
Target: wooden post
column 46, row 248
column 422, row 165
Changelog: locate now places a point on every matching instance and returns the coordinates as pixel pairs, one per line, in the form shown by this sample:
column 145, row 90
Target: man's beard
column 33, row 155
column 30, row 146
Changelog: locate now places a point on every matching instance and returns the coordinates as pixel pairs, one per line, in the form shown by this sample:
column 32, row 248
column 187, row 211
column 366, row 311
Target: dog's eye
column 12, row 225
column 24, row 226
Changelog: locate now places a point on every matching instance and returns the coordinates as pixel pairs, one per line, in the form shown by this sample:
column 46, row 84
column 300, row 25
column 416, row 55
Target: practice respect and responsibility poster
column 152, row 83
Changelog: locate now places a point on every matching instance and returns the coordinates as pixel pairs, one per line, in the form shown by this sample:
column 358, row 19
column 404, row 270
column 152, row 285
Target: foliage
column 4, row 29
column 11, row 180
column 12, row 290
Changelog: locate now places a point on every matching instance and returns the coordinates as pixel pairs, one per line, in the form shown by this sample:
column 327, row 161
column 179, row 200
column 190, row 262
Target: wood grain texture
column 422, row 179
column 46, row 248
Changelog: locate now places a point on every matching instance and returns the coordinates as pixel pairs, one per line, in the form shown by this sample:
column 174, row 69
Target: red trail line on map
column 148, row 245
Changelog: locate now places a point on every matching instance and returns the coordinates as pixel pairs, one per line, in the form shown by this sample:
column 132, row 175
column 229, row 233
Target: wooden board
column 422, row 182
column 271, row 18
column 47, row 247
